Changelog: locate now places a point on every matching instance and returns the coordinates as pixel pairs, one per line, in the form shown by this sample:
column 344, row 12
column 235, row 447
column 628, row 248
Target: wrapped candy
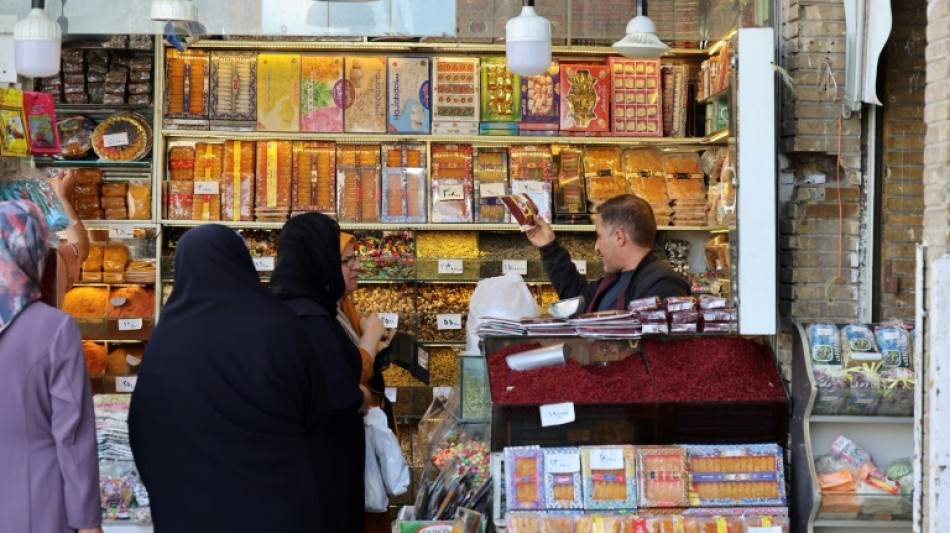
column 865, row 394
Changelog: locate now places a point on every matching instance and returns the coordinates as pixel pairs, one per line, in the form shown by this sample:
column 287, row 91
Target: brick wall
column 813, row 53
column 902, row 200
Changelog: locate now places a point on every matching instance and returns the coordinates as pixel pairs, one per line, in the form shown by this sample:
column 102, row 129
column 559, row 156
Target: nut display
column 447, row 244
column 444, row 297
column 443, row 366
column 395, row 298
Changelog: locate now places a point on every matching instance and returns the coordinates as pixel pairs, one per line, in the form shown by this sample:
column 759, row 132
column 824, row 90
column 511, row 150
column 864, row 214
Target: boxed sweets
column 603, row 174
column 635, row 104
column 455, row 90
column 313, row 186
column 234, row 90
column 274, row 171
column 452, row 183
column 404, row 154
column 540, row 97
column 730, row 475
column 684, row 176
column 237, row 182
column 358, row 183
column 186, row 90
column 278, row 92
column 569, row 192
column 562, row 478
column 662, row 476
column 500, row 91
column 531, row 172
column 209, row 166
column 404, row 195
column 676, row 105
column 524, row 472
column 491, row 184
column 584, row 97
column 321, row 92
column 410, row 102
column 365, row 95
column 609, row 475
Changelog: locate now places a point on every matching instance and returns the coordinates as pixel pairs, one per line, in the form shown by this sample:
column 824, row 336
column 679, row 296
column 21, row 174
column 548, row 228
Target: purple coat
column 49, row 473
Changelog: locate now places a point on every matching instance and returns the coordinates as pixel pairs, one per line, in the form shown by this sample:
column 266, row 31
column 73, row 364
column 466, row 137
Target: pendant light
column 528, row 42
column 37, row 40
column 174, row 10
column 641, row 41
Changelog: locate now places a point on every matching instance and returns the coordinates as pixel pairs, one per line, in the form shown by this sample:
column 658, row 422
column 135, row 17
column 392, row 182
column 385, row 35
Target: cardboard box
column 500, row 91
column 584, row 97
column 541, row 96
column 278, row 92
column 186, row 90
column 322, row 99
column 410, row 102
column 234, row 91
column 455, row 89
column 636, row 104
column 365, row 95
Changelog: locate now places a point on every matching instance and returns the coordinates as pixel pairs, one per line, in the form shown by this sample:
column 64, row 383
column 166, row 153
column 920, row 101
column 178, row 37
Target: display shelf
column 370, row 138
column 98, row 163
column 370, row 226
column 85, row 109
column 843, row 419
column 720, row 96
column 828, row 522
column 105, row 224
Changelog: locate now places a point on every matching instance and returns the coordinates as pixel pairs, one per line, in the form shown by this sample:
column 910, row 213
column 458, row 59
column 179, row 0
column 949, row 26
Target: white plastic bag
column 391, row 464
column 374, row 493
column 500, row 297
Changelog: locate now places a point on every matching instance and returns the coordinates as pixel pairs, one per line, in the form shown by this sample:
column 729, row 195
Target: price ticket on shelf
column 263, row 264
column 121, row 232
column 391, row 394
column 206, row 187
column 555, row 414
column 514, row 266
column 125, row 383
column 451, row 266
column 448, row 321
column 444, row 392
column 115, row 139
column 601, row 459
column 130, row 324
column 390, row 320
column 581, row 266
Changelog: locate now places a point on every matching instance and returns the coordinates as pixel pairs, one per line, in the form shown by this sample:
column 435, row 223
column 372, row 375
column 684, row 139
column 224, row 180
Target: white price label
column 422, row 357
column 262, row 264
column 514, row 266
column 390, row 320
column 491, row 190
column 532, row 187
column 452, row 192
column 451, row 266
column 768, row 529
column 206, row 187
column 444, row 392
column 115, row 139
column 121, row 232
column 130, row 324
column 562, row 463
column 449, row 321
column 125, row 383
column 391, row 394
column 581, row 266
column 601, row 459
column 555, row 414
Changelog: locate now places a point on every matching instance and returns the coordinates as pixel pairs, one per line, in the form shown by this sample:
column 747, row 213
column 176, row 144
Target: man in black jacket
column 625, row 230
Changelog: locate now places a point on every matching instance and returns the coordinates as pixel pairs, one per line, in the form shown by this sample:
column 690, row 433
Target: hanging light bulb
column 174, row 10
column 36, row 42
column 641, row 41
column 528, row 42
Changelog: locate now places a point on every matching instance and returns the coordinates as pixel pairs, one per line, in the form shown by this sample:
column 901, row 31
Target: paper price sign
column 555, row 414
column 120, row 232
column 532, row 187
column 391, row 394
column 206, row 187
column 446, row 322
column 491, row 190
column 581, row 266
column 562, row 463
column 263, row 263
column 450, row 266
column 444, row 392
column 422, row 357
column 767, row 529
column 390, row 320
column 453, row 192
column 130, row 324
column 115, row 139
column 606, row 459
column 125, row 383
column 514, row 266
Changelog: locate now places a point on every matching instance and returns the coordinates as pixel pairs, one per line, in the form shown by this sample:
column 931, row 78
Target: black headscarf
column 228, row 396
column 308, row 261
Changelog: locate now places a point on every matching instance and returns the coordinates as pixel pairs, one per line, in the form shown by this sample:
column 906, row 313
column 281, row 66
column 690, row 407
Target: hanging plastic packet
column 182, row 34
column 825, row 344
column 15, row 142
column 894, row 343
column 41, row 123
column 858, row 346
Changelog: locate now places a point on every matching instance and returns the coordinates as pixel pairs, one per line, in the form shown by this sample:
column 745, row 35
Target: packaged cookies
column 635, row 99
column 491, row 184
column 181, row 163
column 274, row 170
column 321, row 107
column 562, row 478
column 278, row 92
column 233, row 90
column 209, row 166
column 455, row 90
column 365, row 93
column 186, row 89
column 730, row 475
column 609, row 474
column 404, row 195
column 237, row 183
column 452, row 183
column 662, row 475
column 314, row 177
column 139, row 199
column 500, row 91
column 524, row 470
column 409, row 99
column 540, row 96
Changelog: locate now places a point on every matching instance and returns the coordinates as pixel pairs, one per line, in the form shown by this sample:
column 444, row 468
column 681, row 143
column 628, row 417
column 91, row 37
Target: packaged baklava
column 491, row 184
column 451, row 184
column 404, row 195
column 274, row 170
column 237, row 183
column 410, row 155
column 562, row 478
column 139, row 199
column 636, row 106
column 181, row 163
column 209, row 166
column 570, row 198
column 524, row 470
column 540, row 96
column 455, row 89
column 500, row 91
column 314, row 177
column 358, row 183
column 684, row 176
column 522, row 523
column 604, row 177
column 584, row 96
column 234, row 90
column 178, row 199
column 662, row 476
column 556, row 523
column 278, row 92
column 370, row 194
column 609, row 474
column 321, row 93
column 365, row 105
column 730, row 475
column 531, row 170
column 409, row 98
column 186, row 89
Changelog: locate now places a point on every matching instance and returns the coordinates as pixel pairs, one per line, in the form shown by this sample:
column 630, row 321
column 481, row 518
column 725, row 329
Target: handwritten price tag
column 532, row 187
column 444, row 392
column 606, row 459
column 562, row 463
column 130, row 324
column 121, row 232
column 391, row 394
column 581, row 266
column 115, row 139
column 450, row 321
column 390, row 320
column 453, row 192
column 125, row 383
column 263, row 264
column 491, row 190
column 555, row 414
column 514, row 266
column 206, row 187
column 450, row 266
column 422, row 357
column 769, row 529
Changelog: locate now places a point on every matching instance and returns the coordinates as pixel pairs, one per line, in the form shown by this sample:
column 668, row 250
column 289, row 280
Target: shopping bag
column 391, row 464
column 374, row 492
column 499, row 297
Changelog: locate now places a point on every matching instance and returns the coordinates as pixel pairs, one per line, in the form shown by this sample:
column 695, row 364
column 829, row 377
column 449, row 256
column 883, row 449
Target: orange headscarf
column 346, row 303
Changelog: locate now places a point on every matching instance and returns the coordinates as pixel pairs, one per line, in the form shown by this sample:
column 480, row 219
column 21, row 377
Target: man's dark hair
column 633, row 215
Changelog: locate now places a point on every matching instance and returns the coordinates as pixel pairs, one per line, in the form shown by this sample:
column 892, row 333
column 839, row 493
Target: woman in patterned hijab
column 22, row 257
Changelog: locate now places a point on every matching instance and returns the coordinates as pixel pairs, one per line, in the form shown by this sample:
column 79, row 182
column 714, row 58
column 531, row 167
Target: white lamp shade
column 641, row 41
column 528, row 43
column 37, row 41
column 182, row 10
